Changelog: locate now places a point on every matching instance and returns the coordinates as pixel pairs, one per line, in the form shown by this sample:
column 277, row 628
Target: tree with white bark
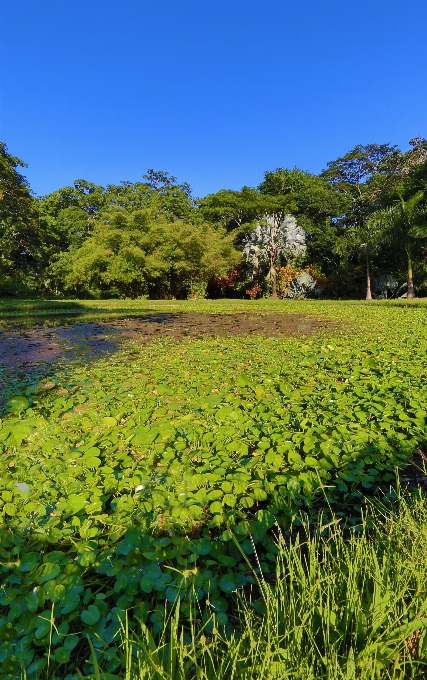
column 276, row 237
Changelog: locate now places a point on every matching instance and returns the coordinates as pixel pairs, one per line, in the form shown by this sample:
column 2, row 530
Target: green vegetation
column 337, row 608
column 151, row 500
column 218, row 507
column 359, row 229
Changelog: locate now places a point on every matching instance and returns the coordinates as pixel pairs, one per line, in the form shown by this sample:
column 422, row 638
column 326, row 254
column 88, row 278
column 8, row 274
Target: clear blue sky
column 213, row 91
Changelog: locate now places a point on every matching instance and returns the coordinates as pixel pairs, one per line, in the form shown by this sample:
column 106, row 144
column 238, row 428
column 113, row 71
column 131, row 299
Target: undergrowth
column 156, row 497
column 342, row 605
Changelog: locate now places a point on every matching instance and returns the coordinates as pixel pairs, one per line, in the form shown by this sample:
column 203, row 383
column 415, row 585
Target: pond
column 31, row 339
column 29, row 345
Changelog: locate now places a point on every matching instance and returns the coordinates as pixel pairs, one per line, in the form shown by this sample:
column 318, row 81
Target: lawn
column 168, row 492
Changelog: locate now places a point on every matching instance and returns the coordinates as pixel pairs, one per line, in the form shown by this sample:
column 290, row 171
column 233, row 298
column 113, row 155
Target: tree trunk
column 273, row 283
column 411, row 292
column 368, row 282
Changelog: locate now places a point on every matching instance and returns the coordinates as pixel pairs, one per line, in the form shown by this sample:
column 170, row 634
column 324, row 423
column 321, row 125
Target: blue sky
column 215, row 92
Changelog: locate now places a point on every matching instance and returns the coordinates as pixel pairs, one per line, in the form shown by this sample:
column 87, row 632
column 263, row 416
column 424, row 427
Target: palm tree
column 403, row 223
column 365, row 237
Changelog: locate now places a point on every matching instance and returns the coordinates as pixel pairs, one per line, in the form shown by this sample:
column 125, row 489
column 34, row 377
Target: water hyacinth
column 184, row 499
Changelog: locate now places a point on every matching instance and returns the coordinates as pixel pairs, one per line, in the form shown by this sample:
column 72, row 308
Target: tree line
column 358, row 229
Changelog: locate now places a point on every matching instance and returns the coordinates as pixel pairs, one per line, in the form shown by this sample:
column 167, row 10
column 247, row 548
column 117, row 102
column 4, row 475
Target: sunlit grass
column 342, row 606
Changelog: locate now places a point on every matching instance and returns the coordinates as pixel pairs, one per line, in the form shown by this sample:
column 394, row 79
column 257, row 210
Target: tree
column 195, row 254
column 318, row 205
column 314, row 197
column 416, row 156
column 250, row 212
column 141, row 254
column 415, row 168
column 404, row 223
column 19, row 236
column 160, row 193
column 363, row 174
column 113, row 259
column 66, row 217
column 277, row 235
column 233, row 209
column 89, row 197
column 365, row 238
column 367, row 176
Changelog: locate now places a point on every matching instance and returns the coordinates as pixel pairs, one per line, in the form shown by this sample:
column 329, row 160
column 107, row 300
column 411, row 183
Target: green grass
column 9, row 305
column 341, row 607
column 171, row 473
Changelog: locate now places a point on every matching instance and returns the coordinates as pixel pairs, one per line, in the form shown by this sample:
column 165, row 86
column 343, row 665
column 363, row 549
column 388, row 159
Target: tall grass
column 341, row 606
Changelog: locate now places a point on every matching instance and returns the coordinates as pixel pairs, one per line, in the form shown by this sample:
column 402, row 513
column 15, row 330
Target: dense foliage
column 164, row 473
column 353, row 217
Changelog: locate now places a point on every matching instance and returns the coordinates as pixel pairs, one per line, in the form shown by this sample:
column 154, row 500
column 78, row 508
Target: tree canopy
column 358, row 221
column 20, row 239
column 129, row 255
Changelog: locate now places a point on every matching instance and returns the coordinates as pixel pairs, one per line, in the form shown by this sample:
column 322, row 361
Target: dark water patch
column 28, row 350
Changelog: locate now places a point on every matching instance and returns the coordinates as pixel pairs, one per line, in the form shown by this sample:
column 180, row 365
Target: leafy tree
column 404, row 223
column 66, row 216
column 197, row 253
column 233, row 209
column 160, row 192
column 89, row 197
column 367, row 176
column 112, row 259
column 363, row 174
column 139, row 254
column 19, row 236
column 250, row 212
column 416, row 156
column 318, row 204
column 314, row 197
column 365, row 238
column 414, row 172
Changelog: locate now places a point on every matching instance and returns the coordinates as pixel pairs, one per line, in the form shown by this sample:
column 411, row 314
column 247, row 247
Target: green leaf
column 29, row 561
column 7, row 632
column 48, row 571
column 246, row 502
column 54, row 535
column 74, row 503
column 71, row 600
column 17, row 404
column 227, row 560
column 33, row 600
column 10, row 509
column 265, row 519
column 312, row 462
column 91, row 615
column 38, row 664
column 43, row 627
column 92, row 462
column 87, row 558
column 227, row 584
column 146, row 584
column 259, row 494
column 61, row 655
column 109, row 422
